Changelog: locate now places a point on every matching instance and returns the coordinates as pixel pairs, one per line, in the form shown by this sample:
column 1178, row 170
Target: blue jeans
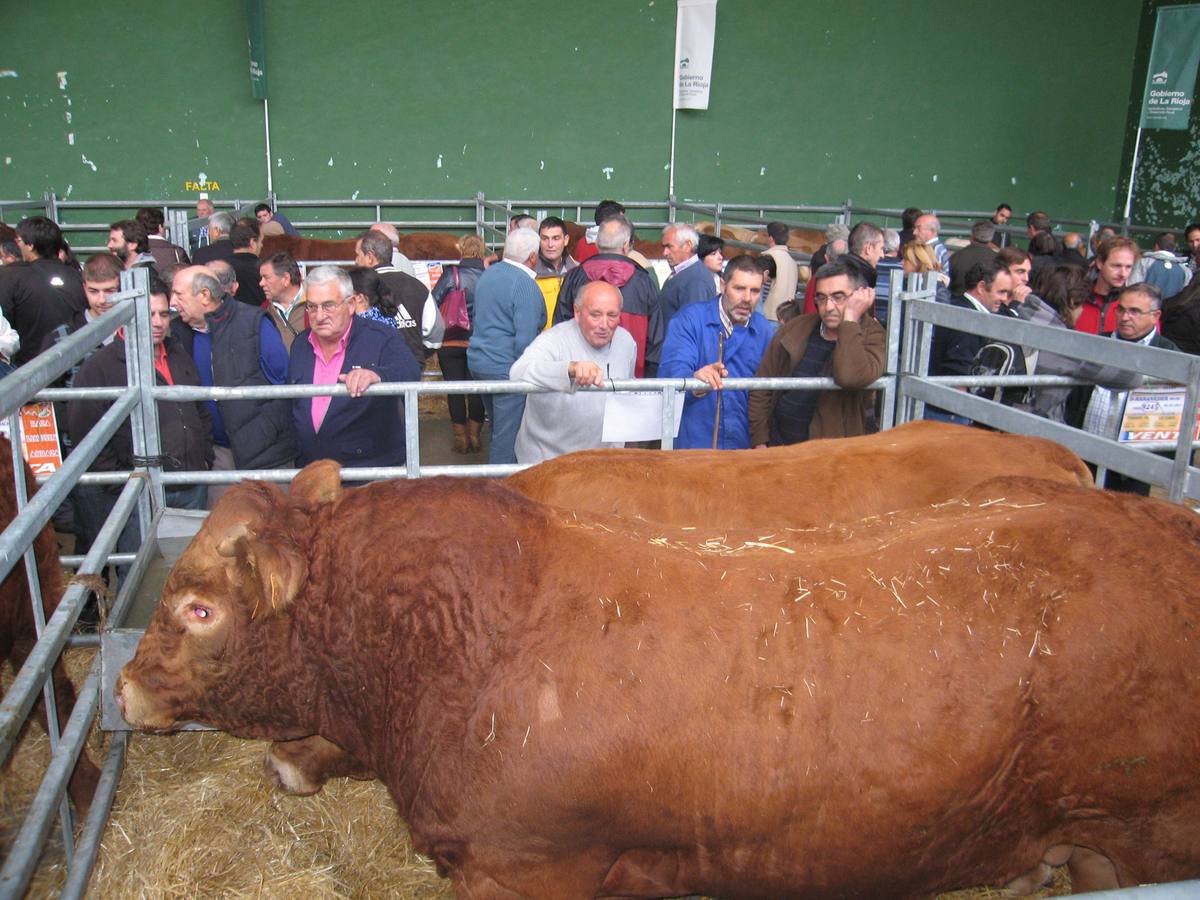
column 505, row 412
column 941, row 415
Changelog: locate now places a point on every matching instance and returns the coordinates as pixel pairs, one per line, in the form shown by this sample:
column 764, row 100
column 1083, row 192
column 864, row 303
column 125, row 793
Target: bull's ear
column 318, row 482
column 270, row 572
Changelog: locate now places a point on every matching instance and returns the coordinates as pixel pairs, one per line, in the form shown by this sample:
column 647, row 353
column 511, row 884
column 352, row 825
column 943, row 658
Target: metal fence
column 905, row 388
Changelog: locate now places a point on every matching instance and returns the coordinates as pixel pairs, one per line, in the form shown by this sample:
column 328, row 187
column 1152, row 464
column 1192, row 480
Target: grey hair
column 684, row 234
column 225, row 274
column 204, row 280
column 614, row 234
column 223, row 221
column 983, row 232
column 837, row 247
column 520, row 244
column 332, row 275
column 891, row 240
column 837, row 231
column 862, row 235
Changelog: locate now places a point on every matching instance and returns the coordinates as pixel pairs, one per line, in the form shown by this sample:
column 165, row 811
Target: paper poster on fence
column 636, row 417
column 39, row 438
column 1152, row 417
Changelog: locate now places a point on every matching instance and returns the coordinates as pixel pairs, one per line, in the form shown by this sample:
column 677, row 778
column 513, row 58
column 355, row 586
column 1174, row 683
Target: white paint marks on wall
column 8, row 73
column 1072, row 184
column 860, row 176
column 762, row 171
column 70, row 187
column 1014, row 179
column 439, row 161
column 354, row 196
column 8, row 160
column 608, row 173
column 279, row 162
column 87, row 162
column 935, row 179
column 464, row 153
column 541, row 165
column 62, row 80
column 203, row 179
column 67, row 115
column 330, row 163
column 70, row 139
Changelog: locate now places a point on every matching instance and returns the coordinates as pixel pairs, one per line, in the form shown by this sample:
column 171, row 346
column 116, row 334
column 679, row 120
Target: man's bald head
column 598, row 313
column 388, row 230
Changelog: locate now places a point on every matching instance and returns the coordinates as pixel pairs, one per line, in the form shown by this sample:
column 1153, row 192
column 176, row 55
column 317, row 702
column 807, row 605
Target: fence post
column 51, row 201
column 412, row 433
column 668, row 418
column 848, row 211
column 143, row 420
column 671, row 201
column 1187, row 428
column 717, row 218
column 479, row 212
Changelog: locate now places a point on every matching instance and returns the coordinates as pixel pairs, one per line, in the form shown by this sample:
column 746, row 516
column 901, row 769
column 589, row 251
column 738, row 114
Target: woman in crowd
column 917, row 258
column 371, row 298
column 466, row 412
column 1059, row 293
column 712, row 253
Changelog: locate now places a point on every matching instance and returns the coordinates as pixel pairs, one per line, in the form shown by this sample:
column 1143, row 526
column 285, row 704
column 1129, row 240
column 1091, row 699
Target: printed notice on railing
column 1152, row 417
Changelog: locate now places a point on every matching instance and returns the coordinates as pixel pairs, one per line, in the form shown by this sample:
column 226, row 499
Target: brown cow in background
column 420, row 245
column 18, row 633
column 571, row 706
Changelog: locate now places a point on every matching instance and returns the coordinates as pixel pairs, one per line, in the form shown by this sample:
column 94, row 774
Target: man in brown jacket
column 279, row 277
column 840, row 340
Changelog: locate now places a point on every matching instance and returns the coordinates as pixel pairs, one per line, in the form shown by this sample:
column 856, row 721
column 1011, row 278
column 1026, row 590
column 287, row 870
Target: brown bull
column 18, row 632
column 803, row 486
column 803, row 240
column 800, row 486
column 568, row 706
column 423, row 245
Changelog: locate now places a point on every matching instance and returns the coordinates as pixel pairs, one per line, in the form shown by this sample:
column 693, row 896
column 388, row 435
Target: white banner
column 695, row 30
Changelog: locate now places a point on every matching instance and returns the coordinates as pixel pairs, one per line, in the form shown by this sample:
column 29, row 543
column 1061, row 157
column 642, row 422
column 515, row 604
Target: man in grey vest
column 235, row 345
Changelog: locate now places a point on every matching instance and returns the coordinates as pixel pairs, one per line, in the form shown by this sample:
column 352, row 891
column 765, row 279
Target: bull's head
column 217, row 649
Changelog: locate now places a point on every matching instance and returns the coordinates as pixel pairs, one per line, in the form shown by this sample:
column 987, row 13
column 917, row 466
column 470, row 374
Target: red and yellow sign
column 39, row 438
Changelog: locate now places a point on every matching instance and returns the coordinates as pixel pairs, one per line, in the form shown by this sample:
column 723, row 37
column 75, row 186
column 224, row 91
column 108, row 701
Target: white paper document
column 636, row 417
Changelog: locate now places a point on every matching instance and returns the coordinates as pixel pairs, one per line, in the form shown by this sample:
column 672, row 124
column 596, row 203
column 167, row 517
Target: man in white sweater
column 588, row 350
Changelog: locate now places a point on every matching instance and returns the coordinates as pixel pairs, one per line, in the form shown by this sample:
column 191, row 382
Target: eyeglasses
column 838, row 298
column 1126, row 311
column 327, row 308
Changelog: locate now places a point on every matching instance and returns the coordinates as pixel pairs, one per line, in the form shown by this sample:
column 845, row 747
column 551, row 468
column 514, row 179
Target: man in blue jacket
column 509, row 313
column 724, row 338
column 340, row 348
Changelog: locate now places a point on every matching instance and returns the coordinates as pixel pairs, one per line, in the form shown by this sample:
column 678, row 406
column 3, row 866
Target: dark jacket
column 360, row 431
column 860, row 265
column 693, row 285
column 245, row 266
column 260, row 431
column 858, row 359
column 640, row 312
column 410, row 296
column 222, row 249
column 36, row 298
column 185, row 427
column 469, row 272
column 165, row 253
column 1181, row 323
column 954, row 352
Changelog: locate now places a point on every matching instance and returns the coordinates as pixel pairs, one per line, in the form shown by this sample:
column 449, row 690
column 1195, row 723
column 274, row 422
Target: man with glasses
column 341, row 348
column 1138, row 309
column 841, row 340
column 235, row 345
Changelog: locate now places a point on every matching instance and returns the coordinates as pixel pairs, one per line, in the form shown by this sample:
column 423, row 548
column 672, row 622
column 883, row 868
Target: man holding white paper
column 589, row 350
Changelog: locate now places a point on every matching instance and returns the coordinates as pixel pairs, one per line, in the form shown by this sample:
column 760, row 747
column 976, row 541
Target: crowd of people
column 223, row 314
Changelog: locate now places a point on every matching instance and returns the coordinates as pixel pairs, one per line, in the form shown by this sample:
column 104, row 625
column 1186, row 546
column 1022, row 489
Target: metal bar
column 128, row 590
column 75, row 560
column 22, row 692
column 84, row 860
column 1187, row 428
column 143, row 421
column 34, row 583
column 27, row 523
column 26, row 849
column 51, row 363
column 412, row 433
column 668, row 418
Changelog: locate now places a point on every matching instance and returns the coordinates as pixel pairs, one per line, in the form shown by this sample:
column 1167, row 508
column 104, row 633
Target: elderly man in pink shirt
column 341, row 348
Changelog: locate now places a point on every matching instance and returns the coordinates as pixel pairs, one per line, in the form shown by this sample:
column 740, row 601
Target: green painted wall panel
column 940, row 105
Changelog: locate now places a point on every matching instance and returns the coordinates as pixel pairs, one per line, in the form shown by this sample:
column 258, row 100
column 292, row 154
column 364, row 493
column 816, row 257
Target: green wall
column 938, row 105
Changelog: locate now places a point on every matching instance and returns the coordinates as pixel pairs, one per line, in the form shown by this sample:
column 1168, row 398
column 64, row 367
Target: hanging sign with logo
column 1174, row 57
column 695, row 31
